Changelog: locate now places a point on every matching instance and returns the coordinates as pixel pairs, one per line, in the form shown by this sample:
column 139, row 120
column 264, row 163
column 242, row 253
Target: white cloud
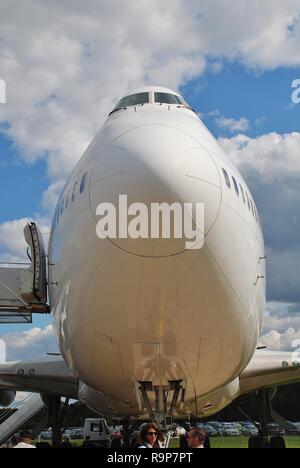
column 276, row 341
column 281, row 326
column 263, row 35
column 66, row 62
column 31, row 344
column 12, row 238
column 233, row 125
column 51, row 196
column 274, row 156
column 280, row 320
column 12, row 241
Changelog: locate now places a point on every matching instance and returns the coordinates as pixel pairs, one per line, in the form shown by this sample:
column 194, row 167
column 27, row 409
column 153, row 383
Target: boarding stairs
column 18, row 415
column 23, row 287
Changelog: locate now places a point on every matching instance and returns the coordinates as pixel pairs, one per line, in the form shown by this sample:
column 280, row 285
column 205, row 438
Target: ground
column 224, row 442
column 240, row 442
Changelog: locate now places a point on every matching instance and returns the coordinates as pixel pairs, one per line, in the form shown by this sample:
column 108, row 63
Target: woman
column 151, row 437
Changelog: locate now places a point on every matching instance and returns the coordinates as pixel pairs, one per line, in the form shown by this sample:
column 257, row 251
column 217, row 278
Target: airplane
column 148, row 329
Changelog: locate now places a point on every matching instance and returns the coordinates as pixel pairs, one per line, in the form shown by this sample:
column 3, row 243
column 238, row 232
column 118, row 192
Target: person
column 151, row 437
column 196, row 438
column 183, row 443
column 24, row 441
column 43, row 445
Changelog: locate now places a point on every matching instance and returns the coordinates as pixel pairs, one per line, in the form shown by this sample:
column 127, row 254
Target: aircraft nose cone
column 151, row 165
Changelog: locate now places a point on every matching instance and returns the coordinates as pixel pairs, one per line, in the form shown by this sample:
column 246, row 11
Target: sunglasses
column 152, row 433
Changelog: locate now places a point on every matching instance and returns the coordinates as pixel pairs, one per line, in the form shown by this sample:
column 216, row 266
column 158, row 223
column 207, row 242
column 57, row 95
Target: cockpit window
column 134, row 100
column 167, row 98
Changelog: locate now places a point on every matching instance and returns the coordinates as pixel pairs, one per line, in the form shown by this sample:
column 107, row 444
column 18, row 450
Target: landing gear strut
column 56, row 416
column 265, row 412
column 166, row 400
column 263, row 405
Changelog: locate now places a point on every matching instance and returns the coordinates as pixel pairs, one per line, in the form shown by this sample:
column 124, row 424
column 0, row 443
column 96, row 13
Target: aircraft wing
column 50, row 377
column 269, row 369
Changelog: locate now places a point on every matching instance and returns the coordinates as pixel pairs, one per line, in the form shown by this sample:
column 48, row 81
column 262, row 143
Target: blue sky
column 64, row 73
column 239, row 92
column 22, row 185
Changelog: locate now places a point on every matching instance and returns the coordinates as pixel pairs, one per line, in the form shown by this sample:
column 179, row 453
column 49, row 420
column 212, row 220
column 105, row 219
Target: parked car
column 66, row 435
column 294, row 429
column 275, row 430
column 210, row 430
column 45, row 435
column 231, row 432
column 179, row 431
column 217, row 426
column 250, row 431
column 76, row 434
column 297, row 425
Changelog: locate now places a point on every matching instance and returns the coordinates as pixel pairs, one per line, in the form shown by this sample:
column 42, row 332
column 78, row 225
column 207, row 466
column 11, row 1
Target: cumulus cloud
column 51, row 196
column 274, row 156
column 65, row 63
column 279, row 317
column 12, row 238
column 233, row 125
column 287, row 341
column 13, row 246
column 281, row 330
column 263, row 35
column 30, row 345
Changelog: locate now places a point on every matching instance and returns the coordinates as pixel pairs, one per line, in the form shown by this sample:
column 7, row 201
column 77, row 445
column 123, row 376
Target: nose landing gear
column 166, row 400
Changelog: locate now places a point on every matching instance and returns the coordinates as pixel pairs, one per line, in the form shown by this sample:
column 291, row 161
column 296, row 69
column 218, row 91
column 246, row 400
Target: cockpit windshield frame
column 168, row 98
column 133, row 100
column 150, row 97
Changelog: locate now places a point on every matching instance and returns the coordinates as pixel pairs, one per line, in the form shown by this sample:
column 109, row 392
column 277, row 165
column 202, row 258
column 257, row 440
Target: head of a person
column 25, row 437
column 196, row 438
column 151, row 435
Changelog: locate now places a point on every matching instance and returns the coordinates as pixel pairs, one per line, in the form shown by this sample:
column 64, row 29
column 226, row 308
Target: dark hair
column 198, row 434
column 25, row 435
column 144, row 431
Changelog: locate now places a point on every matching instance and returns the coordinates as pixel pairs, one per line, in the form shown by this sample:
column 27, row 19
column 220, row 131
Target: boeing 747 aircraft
column 148, row 328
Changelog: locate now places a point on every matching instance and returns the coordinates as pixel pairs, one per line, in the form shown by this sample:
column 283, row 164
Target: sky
column 66, row 63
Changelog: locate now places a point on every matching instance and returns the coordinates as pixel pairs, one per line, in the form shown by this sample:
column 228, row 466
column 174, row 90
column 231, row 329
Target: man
column 196, row 438
column 24, row 441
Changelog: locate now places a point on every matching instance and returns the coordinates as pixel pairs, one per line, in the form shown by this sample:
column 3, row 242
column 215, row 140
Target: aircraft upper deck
column 151, row 95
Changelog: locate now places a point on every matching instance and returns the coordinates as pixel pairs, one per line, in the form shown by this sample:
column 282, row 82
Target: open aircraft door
column 23, row 291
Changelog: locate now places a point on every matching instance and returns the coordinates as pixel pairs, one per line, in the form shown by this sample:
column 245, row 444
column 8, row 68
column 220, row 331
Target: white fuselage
column 126, row 310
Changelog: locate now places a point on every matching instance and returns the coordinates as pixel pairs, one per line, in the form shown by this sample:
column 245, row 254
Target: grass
column 292, row 442
column 239, row 442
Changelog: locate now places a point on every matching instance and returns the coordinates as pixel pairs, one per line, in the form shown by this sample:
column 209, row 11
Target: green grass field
column 239, row 442
column 223, row 442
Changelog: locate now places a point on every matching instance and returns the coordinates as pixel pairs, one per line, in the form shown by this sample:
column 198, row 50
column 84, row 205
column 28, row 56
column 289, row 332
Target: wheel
column 256, row 442
column 277, row 443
